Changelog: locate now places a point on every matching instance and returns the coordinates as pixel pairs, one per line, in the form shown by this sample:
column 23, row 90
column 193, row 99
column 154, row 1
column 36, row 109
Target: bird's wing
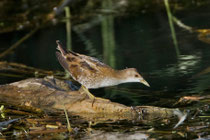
column 84, row 62
column 94, row 62
column 62, row 61
column 76, row 65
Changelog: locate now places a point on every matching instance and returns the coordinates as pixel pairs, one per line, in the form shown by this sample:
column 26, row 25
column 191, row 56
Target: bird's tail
column 60, row 48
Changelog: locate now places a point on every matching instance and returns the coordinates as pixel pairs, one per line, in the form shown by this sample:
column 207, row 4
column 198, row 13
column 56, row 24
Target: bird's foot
column 91, row 96
column 99, row 98
column 83, row 89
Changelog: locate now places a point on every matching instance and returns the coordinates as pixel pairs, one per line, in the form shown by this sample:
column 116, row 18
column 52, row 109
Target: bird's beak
column 144, row 82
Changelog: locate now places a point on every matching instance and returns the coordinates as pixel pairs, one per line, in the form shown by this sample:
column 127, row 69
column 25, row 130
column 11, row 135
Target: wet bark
column 52, row 94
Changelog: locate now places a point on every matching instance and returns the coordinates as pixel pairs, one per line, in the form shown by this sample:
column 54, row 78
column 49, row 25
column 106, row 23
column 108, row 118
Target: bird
column 92, row 73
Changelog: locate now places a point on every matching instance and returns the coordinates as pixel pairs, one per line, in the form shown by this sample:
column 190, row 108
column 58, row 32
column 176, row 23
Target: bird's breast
column 99, row 83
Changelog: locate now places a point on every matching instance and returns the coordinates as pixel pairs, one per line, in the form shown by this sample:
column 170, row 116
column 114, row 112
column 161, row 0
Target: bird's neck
column 122, row 77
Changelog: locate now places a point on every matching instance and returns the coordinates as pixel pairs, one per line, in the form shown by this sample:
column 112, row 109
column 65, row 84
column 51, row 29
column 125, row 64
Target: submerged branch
column 18, row 43
column 19, row 70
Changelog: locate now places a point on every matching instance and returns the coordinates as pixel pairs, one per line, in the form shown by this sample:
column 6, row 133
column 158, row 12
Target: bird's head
column 132, row 75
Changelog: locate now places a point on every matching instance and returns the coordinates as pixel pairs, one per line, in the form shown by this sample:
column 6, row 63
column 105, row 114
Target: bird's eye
column 136, row 75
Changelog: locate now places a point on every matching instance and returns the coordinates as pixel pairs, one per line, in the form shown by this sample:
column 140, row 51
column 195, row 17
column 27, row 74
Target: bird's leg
column 90, row 95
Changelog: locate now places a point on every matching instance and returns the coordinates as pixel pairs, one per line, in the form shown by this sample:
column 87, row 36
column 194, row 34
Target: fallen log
column 52, row 94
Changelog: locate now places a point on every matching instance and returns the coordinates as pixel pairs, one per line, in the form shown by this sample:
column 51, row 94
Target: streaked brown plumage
column 91, row 73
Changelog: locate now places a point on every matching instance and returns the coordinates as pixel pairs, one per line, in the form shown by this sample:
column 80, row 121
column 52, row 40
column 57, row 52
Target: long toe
column 102, row 99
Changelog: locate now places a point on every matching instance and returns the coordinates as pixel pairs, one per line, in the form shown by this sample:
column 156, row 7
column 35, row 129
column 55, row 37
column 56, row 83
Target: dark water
column 142, row 41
